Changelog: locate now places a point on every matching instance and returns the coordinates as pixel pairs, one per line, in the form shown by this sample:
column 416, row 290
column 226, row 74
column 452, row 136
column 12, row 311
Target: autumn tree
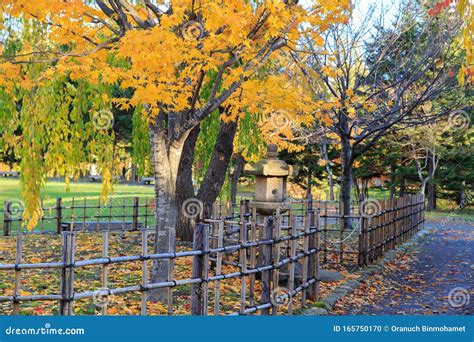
column 166, row 53
column 378, row 75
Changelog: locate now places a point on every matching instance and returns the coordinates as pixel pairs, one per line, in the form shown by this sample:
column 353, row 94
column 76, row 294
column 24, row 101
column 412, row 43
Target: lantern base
column 269, row 208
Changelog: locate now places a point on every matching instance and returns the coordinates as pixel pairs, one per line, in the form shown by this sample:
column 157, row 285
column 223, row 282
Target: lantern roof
column 271, row 166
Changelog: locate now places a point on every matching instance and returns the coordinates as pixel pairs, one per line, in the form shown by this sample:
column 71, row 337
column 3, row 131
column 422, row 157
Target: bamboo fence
column 265, row 252
column 84, row 214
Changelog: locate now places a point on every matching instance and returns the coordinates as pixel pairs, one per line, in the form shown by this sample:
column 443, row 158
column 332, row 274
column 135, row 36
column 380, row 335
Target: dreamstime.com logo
column 280, row 296
column 458, row 297
column 103, row 119
column 192, row 208
column 459, row 120
column 280, row 119
column 102, row 297
column 457, row 210
column 192, row 30
column 370, row 208
column 46, row 330
column 15, row 208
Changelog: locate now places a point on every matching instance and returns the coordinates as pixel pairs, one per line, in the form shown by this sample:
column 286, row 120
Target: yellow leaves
column 351, row 112
column 318, row 40
column 369, row 106
column 331, row 72
column 326, row 120
column 460, row 76
column 328, row 71
column 328, row 105
column 161, row 67
column 9, row 73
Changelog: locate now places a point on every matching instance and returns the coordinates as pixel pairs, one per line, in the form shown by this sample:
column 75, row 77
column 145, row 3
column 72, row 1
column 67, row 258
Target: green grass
column 78, row 193
column 10, row 189
column 467, row 214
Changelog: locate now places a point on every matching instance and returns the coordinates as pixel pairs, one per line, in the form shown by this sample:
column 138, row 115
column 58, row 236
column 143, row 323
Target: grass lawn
column 10, row 190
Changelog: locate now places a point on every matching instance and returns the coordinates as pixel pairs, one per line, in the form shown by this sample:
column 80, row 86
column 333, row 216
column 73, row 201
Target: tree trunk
column 331, row 183
column 134, row 173
column 213, row 179
column 402, row 186
column 324, row 152
column 393, row 175
column 234, row 183
column 431, row 196
column 430, row 186
column 461, row 198
column 423, row 186
column 185, row 187
column 346, row 183
column 165, row 161
column 309, row 183
column 216, row 172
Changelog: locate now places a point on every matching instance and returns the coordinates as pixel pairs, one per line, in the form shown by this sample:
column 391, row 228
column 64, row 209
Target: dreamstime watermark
column 108, row 205
column 191, row 122
column 14, row 208
column 369, row 208
column 192, row 30
column 458, row 297
column 47, row 329
column 192, row 208
column 102, row 297
column 280, row 296
column 198, row 291
column 459, row 120
column 456, row 211
column 280, row 119
column 103, row 119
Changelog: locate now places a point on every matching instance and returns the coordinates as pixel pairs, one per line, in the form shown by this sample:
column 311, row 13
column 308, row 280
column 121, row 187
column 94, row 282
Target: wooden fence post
column 363, row 241
column 325, row 230
column 243, row 256
column 59, row 214
column 201, row 232
column 135, row 213
column 7, row 219
column 276, row 255
column 312, row 258
column 307, row 225
column 18, row 259
column 105, row 270
column 143, row 304
column 315, row 222
column 291, row 267
column 67, row 273
column 266, row 261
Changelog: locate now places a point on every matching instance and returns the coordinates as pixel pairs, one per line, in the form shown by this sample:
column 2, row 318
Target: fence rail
column 261, row 252
column 86, row 214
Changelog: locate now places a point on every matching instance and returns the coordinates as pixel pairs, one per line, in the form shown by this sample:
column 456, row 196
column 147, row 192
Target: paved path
column 443, row 262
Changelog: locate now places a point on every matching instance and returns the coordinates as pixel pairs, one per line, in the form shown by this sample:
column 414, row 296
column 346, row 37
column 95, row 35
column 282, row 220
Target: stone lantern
column 270, row 185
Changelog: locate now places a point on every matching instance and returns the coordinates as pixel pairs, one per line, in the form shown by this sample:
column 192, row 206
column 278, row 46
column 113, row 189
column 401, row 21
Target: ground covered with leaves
column 437, row 277
column 47, row 248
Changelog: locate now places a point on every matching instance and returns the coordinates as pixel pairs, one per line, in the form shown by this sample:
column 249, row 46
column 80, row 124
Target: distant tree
column 377, row 84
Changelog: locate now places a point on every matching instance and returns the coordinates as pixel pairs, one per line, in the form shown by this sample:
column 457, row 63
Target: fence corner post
column 363, row 242
column 67, row 274
column 198, row 269
column 59, row 214
column 135, row 213
column 267, row 260
column 6, row 218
